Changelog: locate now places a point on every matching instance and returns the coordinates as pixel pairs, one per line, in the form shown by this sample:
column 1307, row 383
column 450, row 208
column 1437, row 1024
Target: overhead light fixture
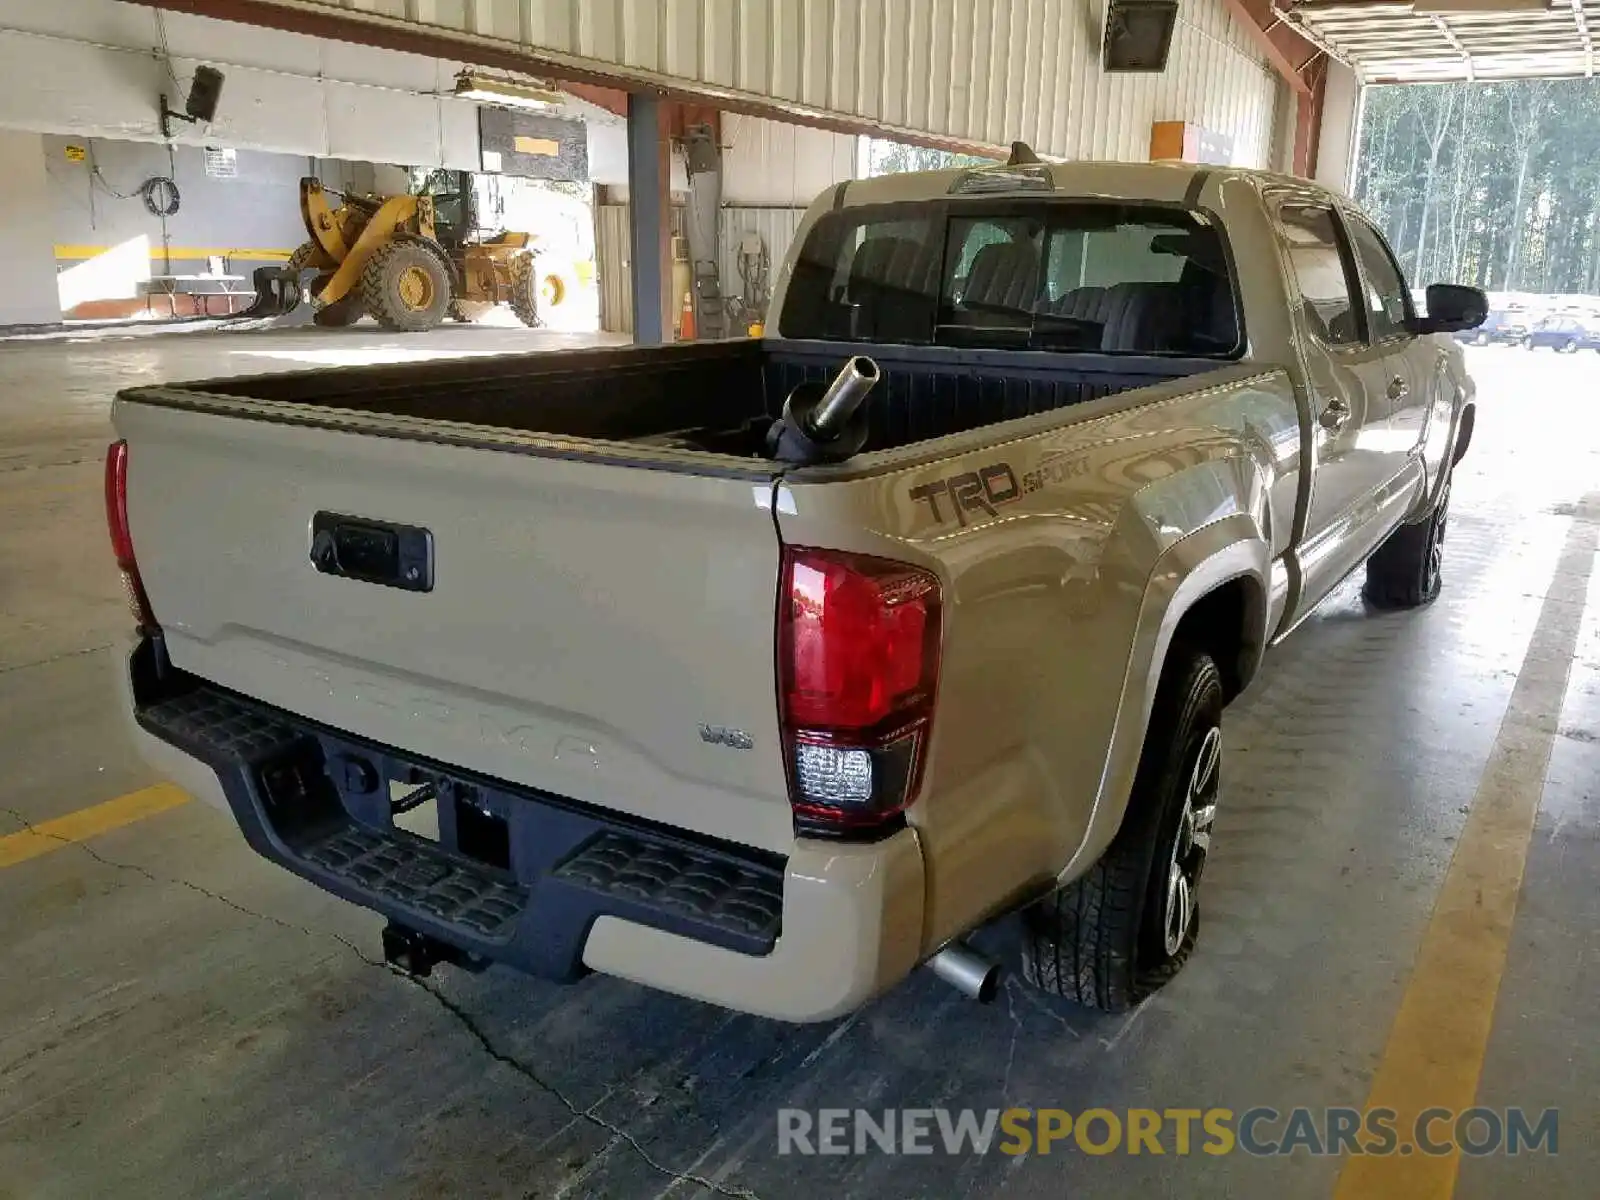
column 508, row 93
column 1479, row 6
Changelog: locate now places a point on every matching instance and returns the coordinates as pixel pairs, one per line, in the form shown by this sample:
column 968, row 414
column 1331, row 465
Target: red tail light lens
column 858, row 660
column 122, row 536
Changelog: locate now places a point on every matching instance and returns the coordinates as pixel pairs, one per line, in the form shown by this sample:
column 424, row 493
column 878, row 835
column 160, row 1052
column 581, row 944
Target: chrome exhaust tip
column 974, row 975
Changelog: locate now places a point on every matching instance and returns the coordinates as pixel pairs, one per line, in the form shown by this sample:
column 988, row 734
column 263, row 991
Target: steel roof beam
column 1443, row 27
column 1583, row 32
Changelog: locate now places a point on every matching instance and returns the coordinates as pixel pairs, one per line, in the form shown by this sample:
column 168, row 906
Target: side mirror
column 1451, row 308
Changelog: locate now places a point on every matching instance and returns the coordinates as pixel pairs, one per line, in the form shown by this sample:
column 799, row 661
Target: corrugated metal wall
column 774, row 226
column 611, row 267
column 611, row 257
column 984, row 71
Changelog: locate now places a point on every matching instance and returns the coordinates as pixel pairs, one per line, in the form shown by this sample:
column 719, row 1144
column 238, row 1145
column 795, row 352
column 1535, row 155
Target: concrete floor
column 179, row 1018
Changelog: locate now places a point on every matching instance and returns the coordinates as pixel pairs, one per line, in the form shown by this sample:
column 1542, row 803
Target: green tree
column 890, row 158
column 1496, row 184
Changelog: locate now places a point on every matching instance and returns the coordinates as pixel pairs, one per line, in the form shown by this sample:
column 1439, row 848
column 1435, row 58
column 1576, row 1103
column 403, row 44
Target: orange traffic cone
column 686, row 331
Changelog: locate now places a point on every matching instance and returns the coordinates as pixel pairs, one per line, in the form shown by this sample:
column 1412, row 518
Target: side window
column 1322, row 266
column 1386, row 287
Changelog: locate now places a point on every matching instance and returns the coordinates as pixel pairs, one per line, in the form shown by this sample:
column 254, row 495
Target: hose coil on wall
column 161, row 195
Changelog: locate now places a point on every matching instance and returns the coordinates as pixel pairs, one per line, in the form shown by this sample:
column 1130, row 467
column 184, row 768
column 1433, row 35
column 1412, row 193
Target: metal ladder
column 710, row 314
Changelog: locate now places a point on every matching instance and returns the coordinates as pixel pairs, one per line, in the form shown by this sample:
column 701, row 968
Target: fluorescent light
column 508, row 93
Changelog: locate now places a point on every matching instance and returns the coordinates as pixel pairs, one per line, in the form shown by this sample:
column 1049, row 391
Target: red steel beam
column 1303, row 66
column 1285, row 49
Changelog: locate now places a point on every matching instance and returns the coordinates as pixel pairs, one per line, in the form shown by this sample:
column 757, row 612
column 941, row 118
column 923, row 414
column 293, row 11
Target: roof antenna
column 1022, row 155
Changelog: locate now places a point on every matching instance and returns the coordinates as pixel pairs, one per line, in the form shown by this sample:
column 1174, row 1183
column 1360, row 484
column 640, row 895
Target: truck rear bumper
column 535, row 881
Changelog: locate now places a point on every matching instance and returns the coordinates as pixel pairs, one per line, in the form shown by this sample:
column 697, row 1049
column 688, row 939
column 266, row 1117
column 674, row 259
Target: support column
column 1308, row 126
column 27, row 244
column 649, row 207
column 1341, row 124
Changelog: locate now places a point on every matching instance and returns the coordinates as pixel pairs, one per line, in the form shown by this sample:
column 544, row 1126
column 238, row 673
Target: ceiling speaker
column 1138, row 34
column 204, row 94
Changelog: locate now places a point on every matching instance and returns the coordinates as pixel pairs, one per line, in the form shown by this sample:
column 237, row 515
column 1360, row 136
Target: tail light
column 122, row 537
column 858, row 667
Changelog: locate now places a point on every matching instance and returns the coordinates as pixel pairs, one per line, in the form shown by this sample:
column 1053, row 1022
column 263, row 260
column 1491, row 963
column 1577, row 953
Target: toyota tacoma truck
column 765, row 671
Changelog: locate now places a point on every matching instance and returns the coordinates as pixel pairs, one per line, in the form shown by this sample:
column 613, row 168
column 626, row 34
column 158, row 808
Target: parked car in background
column 1567, row 335
column 1501, row 327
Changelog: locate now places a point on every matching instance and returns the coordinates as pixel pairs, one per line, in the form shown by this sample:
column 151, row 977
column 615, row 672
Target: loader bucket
column 277, row 293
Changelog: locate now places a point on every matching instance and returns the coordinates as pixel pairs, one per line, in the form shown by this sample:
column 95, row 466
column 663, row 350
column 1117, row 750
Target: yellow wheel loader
column 407, row 261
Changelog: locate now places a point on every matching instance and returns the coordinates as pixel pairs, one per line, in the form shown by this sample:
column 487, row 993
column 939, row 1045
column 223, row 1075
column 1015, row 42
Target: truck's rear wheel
column 1121, row 931
column 1406, row 571
column 525, row 290
column 406, row 288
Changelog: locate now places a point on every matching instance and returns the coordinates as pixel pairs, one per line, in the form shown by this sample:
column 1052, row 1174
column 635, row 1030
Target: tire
column 525, row 291
column 1406, row 571
column 1481, row 340
column 1571, row 347
column 1123, row 930
column 405, row 287
column 344, row 311
column 302, row 257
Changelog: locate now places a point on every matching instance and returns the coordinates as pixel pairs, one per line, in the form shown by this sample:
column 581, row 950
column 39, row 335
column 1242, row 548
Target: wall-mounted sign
column 533, row 145
column 76, row 153
column 222, row 162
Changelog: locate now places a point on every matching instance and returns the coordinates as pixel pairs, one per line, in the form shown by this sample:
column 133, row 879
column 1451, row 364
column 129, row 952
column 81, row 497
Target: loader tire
column 1406, row 571
column 525, row 290
column 344, row 311
column 405, row 287
column 1115, row 935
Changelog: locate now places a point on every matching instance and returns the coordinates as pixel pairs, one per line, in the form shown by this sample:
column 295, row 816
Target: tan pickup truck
column 766, row 671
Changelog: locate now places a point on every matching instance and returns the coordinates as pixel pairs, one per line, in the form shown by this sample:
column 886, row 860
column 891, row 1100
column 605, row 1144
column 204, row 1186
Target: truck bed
column 716, row 397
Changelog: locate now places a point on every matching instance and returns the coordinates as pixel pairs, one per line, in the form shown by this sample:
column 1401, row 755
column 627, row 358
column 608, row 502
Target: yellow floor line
column 1436, row 1048
column 61, row 832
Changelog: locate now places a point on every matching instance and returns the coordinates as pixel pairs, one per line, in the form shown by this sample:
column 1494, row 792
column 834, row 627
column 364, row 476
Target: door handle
column 1335, row 415
column 1398, row 388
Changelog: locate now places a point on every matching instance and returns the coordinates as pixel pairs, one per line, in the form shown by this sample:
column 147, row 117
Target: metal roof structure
column 1429, row 41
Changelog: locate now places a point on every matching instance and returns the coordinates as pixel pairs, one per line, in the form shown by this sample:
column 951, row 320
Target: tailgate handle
column 398, row 556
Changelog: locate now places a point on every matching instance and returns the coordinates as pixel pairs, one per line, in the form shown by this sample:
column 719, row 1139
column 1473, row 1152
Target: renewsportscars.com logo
column 1261, row 1131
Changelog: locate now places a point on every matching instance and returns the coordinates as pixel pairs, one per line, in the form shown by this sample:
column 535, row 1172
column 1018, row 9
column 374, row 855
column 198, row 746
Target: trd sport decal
column 980, row 491
column 986, row 489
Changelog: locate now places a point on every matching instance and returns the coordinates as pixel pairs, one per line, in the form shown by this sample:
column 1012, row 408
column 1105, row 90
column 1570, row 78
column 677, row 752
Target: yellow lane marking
column 1436, row 1047
column 86, row 823
column 69, row 250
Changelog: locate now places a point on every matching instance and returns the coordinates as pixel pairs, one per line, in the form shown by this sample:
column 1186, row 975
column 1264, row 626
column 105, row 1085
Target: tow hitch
column 416, row 953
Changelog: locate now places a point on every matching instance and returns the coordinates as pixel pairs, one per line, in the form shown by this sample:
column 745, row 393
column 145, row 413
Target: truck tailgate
column 586, row 618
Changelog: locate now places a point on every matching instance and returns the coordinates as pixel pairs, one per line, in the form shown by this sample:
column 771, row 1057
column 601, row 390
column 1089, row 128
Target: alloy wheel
column 1193, row 839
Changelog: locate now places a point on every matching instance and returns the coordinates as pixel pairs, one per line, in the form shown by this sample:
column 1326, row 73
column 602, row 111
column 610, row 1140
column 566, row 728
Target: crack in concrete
column 55, row 658
column 463, row 1018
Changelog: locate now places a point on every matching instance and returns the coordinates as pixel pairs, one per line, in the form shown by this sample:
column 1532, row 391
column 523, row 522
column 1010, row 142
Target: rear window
column 1108, row 278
